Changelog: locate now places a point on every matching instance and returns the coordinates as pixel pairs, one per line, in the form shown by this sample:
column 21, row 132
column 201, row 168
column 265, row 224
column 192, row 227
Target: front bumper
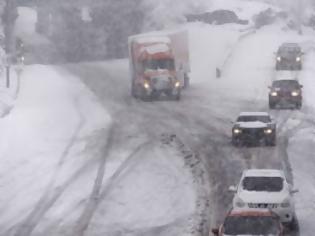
column 158, row 91
column 253, row 136
column 286, row 214
column 288, row 65
column 285, row 99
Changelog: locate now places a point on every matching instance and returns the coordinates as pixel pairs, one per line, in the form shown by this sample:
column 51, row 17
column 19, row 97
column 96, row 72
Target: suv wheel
column 272, row 105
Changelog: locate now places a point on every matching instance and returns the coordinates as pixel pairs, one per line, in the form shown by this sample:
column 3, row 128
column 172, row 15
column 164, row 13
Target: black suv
column 289, row 57
column 254, row 128
column 285, row 93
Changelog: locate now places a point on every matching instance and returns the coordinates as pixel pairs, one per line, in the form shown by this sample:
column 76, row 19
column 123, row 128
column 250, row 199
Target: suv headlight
column 298, row 59
column 268, row 131
column 285, row 203
column 274, row 94
column 278, row 58
column 237, row 131
column 177, row 84
column 240, row 203
column 295, row 93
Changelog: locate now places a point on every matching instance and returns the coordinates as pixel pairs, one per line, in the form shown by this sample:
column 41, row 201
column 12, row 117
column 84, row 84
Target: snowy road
column 102, row 163
column 202, row 119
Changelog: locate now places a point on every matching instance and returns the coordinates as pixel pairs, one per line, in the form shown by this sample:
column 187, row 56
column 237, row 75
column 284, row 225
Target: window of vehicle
column 155, row 64
column 251, row 225
column 289, row 84
column 268, row 184
column 264, row 119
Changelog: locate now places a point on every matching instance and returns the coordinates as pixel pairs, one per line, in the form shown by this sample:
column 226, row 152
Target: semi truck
column 159, row 64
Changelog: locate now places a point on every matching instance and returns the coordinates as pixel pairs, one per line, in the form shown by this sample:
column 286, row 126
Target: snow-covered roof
column 152, row 39
column 263, row 173
column 156, row 48
column 253, row 114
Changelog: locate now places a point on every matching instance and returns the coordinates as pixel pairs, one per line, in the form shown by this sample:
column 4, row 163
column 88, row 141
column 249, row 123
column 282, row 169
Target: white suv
column 266, row 188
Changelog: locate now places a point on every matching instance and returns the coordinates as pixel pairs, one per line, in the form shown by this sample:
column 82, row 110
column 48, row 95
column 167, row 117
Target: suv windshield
column 251, row 225
column 268, row 184
column 264, row 119
column 155, row 64
column 290, row 49
column 289, row 84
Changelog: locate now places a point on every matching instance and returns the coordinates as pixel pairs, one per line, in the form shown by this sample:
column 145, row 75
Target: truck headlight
column 237, row 131
column 274, row 94
column 177, row 84
column 146, row 85
column 268, row 131
column 298, row 59
column 295, row 93
column 278, row 58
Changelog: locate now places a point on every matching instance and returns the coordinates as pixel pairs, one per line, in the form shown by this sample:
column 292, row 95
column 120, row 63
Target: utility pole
column 8, row 18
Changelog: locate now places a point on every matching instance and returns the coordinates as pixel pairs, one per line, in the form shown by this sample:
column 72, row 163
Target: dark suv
column 289, row 57
column 284, row 93
column 254, row 128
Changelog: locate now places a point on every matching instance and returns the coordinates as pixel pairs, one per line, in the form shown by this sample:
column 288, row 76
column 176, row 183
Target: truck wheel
column 177, row 96
column 186, row 81
column 133, row 91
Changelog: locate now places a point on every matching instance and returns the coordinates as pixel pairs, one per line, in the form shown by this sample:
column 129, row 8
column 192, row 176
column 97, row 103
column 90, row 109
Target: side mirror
column 294, row 191
column 233, row 189
column 215, row 231
column 301, row 86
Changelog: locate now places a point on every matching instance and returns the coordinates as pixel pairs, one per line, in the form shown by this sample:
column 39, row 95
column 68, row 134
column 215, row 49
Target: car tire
column 272, row 105
column 271, row 142
column 278, row 66
column 235, row 142
column 298, row 105
column 177, row 96
column 293, row 225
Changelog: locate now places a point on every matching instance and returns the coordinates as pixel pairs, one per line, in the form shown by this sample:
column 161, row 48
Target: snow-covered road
column 81, row 157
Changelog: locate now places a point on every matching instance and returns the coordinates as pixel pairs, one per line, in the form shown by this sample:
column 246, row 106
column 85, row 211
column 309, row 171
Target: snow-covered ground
column 83, row 158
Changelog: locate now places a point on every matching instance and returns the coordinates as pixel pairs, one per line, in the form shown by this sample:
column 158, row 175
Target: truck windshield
column 251, row 225
column 155, row 64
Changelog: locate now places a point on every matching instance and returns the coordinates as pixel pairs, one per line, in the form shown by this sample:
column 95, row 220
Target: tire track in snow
column 52, row 194
column 99, row 191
